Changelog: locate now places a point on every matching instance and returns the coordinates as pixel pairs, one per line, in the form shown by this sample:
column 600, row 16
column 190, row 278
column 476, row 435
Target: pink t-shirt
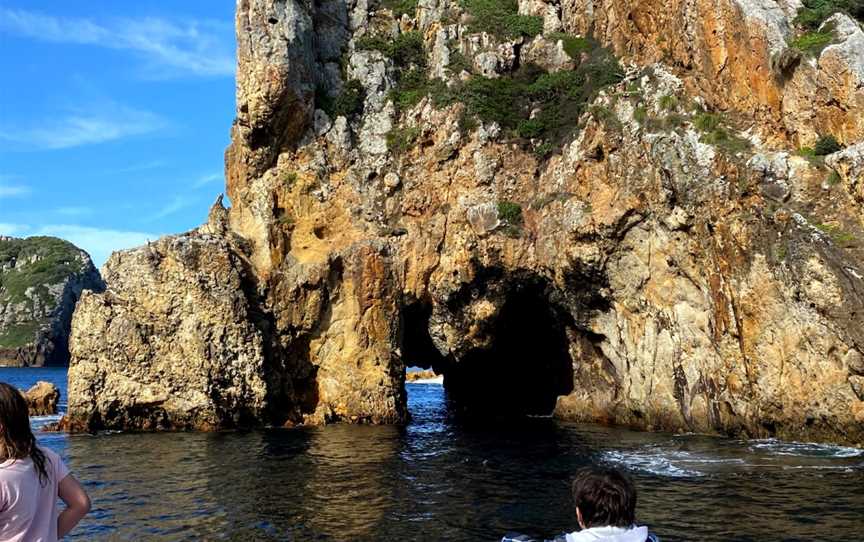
column 28, row 510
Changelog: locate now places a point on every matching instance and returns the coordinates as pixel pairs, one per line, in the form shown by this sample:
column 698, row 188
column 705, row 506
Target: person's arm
column 77, row 505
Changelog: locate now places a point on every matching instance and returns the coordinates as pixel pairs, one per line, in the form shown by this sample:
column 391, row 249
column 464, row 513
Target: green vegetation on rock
column 534, row 104
column 812, row 42
column 348, row 103
column 404, row 50
column 814, row 12
column 40, row 278
column 510, row 214
column 836, row 233
column 458, row 62
column 529, row 103
column 409, row 59
column 501, row 18
column 825, row 145
column 399, row 140
column 52, row 261
column 574, row 46
column 715, row 132
column 400, row 7
column 18, row 335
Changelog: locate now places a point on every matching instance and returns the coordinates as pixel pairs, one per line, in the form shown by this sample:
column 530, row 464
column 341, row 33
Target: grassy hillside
column 28, row 268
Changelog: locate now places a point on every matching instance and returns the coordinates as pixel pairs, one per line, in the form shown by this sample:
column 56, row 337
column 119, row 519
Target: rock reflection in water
column 452, row 479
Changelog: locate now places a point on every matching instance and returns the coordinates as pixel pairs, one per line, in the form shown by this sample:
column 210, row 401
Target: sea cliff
column 41, row 279
column 642, row 213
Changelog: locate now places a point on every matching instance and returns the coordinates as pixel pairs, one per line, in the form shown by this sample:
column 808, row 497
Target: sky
column 114, row 117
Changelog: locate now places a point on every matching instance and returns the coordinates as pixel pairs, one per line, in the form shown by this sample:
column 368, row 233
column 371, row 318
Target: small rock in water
column 42, row 399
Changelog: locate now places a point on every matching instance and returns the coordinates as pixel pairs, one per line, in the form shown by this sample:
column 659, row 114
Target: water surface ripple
column 443, row 478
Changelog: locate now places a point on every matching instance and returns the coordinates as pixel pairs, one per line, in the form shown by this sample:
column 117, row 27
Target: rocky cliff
column 645, row 213
column 41, row 279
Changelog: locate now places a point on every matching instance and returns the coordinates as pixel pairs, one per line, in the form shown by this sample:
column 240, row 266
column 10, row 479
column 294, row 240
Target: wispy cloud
column 73, row 211
column 84, row 126
column 169, row 48
column 132, row 168
column 98, row 242
column 9, row 190
column 207, row 179
column 177, row 204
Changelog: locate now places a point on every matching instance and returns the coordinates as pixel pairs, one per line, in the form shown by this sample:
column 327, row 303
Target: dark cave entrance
column 524, row 370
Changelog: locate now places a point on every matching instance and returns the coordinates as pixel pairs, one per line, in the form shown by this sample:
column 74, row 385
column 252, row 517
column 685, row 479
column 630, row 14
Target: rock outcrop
column 426, row 374
column 42, row 399
column 434, row 190
column 41, row 279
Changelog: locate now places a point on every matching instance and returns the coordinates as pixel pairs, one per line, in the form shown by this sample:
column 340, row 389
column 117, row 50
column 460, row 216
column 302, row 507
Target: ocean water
column 444, row 478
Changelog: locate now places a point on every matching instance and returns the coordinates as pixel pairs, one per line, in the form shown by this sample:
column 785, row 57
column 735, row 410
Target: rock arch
column 515, row 359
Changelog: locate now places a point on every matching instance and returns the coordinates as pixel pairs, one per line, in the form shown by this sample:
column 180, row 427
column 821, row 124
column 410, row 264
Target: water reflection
column 445, row 478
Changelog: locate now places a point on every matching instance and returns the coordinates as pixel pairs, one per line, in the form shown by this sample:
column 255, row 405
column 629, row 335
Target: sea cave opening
column 523, row 370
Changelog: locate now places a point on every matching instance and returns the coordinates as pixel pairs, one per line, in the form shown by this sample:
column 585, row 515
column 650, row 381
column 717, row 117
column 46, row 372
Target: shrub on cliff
column 409, row 58
column 510, row 212
column 825, row 145
column 400, row 7
column 501, row 18
column 348, row 103
column 574, row 46
column 534, row 104
column 405, row 50
column 400, row 140
column 814, row 12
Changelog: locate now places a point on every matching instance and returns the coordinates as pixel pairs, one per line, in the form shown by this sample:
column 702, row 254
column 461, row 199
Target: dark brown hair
column 604, row 497
column 16, row 437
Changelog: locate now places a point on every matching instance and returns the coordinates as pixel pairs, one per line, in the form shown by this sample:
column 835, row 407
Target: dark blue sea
column 444, row 478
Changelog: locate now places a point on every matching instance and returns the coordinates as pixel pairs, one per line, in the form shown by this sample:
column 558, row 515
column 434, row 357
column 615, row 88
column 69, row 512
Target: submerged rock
column 42, row 399
column 665, row 261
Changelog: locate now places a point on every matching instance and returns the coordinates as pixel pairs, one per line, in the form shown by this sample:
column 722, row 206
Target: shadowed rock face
column 655, row 266
column 41, row 279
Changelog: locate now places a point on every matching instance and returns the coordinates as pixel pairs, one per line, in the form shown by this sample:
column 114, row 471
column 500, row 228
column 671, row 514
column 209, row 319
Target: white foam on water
column 652, row 462
column 38, row 422
column 804, row 449
column 437, row 380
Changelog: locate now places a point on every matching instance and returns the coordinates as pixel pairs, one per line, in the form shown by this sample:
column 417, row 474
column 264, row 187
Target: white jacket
column 609, row 534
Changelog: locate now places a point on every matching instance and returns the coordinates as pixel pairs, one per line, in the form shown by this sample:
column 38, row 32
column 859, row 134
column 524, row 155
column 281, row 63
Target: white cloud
column 132, row 168
column 14, row 230
column 98, row 242
column 207, row 179
column 99, row 124
column 12, row 190
column 174, row 206
column 169, row 48
column 74, row 211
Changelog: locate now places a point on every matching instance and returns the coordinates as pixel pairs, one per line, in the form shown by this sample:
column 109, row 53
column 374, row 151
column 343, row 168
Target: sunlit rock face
column 664, row 258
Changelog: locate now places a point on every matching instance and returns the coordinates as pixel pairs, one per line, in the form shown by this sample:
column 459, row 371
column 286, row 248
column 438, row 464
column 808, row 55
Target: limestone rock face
column 41, row 279
column 668, row 260
column 42, row 399
column 171, row 344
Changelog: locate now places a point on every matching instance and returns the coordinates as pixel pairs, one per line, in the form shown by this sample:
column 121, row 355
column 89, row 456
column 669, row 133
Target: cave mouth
column 524, row 370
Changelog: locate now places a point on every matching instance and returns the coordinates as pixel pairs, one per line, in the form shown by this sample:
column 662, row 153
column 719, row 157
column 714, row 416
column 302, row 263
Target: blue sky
column 114, row 117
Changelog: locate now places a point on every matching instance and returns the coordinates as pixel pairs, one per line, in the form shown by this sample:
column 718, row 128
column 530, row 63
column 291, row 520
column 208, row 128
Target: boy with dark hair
column 605, row 502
